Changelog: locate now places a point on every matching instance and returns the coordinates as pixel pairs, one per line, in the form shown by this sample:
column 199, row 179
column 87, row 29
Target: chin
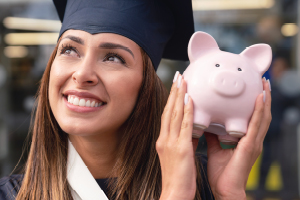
column 76, row 129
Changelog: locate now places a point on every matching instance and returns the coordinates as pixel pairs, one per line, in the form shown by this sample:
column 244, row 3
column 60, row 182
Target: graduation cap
column 162, row 28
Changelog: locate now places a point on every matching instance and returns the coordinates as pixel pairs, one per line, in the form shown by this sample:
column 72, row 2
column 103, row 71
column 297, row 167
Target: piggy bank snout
column 227, row 83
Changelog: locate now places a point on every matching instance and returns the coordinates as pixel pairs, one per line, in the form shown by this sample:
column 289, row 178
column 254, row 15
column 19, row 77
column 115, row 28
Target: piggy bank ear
column 199, row 44
column 261, row 54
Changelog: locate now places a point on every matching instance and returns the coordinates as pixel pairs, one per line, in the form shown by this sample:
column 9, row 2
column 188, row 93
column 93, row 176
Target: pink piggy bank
column 224, row 86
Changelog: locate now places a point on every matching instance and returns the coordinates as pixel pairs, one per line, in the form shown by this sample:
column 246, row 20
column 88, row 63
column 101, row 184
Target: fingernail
column 179, row 81
column 176, row 76
column 264, row 92
column 264, row 79
column 269, row 84
column 186, row 98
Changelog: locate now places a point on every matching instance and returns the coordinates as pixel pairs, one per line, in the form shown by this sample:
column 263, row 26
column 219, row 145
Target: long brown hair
column 137, row 168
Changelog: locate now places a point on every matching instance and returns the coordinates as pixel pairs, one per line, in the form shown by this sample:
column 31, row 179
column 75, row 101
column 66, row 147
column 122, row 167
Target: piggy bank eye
column 239, row 69
column 217, row 65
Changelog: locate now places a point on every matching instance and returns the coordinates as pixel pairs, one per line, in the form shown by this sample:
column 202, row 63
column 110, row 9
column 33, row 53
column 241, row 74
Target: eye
column 217, row 65
column 68, row 50
column 239, row 69
column 114, row 57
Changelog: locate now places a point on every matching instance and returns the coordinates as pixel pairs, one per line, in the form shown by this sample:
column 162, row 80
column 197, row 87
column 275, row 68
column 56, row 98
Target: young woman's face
column 94, row 82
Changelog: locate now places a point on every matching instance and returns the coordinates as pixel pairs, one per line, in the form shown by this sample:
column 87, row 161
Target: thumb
column 213, row 144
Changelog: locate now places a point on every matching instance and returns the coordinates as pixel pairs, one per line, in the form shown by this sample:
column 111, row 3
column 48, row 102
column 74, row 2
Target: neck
column 99, row 153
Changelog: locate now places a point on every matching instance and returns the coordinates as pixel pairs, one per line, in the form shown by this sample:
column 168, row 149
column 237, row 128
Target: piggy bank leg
column 201, row 120
column 228, row 139
column 197, row 133
column 236, row 127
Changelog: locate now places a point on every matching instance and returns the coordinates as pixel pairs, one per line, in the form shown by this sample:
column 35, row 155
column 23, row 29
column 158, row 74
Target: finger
column 267, row 117
column 213, row 144
column 187, row 121
column 256, row 118
column 177, row 114
column 167, row 113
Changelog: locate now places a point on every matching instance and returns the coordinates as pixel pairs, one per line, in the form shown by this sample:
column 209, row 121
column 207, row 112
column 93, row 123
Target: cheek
column 58, row 78
column 57, row 74
column 123, row 91
column 130, row 90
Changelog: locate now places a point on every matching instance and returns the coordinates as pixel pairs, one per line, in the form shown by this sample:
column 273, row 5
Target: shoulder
column 9, row 186
column 206, row 193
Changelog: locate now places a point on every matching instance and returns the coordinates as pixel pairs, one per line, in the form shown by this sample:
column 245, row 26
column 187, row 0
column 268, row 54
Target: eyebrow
column 74, row 38
column 108, row 45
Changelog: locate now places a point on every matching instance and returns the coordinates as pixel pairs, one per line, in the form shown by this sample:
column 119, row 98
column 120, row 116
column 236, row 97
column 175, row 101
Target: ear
column 199, row 44
column 261, row 55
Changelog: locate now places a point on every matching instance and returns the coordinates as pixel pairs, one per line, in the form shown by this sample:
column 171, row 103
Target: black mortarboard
column 161, row 27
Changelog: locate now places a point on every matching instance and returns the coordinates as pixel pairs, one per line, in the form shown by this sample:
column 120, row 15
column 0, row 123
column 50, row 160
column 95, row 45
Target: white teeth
column 82, row 102
column 88, row 103
column 71, row 99
column 76, row 101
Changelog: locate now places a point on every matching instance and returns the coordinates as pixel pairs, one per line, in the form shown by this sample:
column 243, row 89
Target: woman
column 99, row 115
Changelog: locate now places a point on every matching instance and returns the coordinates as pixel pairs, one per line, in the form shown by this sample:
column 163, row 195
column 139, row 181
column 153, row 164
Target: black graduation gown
column 10, row 185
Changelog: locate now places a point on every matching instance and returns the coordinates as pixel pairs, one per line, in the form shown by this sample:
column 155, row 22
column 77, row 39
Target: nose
column 85, row 74
column 227, row 83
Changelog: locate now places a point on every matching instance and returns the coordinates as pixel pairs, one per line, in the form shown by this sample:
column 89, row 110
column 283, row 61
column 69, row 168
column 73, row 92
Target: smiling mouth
column 83, row 102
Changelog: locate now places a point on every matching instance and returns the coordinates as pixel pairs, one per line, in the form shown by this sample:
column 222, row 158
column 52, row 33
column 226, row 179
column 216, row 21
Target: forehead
column 93, row 40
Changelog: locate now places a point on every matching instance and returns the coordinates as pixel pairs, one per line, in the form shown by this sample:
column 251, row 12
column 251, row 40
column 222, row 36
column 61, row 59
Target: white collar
column 82, row 183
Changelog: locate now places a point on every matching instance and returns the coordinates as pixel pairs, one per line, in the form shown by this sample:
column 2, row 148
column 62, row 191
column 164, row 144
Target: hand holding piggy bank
column 224, row 86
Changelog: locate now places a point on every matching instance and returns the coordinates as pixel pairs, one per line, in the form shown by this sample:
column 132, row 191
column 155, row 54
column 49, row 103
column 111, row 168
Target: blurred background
column 29, row 31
